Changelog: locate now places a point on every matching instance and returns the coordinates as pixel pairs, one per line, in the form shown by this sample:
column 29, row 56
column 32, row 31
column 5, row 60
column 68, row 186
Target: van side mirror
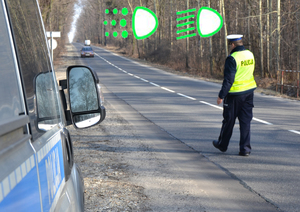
column 85, row 97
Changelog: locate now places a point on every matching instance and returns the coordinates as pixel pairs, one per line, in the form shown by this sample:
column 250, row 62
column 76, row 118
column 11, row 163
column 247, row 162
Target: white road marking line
column 154, row 84
column 215, row 106
column 130, row 73
column 167, row 89
column 255, row 119
column 180, row 94
column 294, row 131
column 262, row 121
column 144, row 80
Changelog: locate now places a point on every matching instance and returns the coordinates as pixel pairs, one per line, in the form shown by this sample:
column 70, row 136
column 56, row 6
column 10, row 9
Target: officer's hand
column 219, row 101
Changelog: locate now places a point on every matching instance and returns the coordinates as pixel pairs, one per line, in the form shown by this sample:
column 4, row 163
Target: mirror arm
column 62, row 86
column 68, row 117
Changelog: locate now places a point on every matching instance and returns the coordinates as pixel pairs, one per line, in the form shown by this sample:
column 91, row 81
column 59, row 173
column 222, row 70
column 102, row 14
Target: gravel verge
column 98, row 152
column 127, row 162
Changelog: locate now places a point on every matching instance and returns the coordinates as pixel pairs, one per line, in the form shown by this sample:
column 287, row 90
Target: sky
column 78, row 9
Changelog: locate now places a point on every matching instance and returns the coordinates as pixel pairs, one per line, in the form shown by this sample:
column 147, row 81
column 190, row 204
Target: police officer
column 237, row 95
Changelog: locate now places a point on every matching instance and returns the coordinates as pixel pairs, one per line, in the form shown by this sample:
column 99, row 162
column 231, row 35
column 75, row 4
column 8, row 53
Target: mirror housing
column 84, row 96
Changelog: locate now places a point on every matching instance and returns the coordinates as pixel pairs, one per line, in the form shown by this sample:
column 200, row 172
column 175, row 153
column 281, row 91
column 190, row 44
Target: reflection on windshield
column 47, row 115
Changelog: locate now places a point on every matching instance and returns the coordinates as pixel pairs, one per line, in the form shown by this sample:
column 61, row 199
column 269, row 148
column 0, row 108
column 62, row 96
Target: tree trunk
column 271, row 37
column 268, row 40
column 187, row 40
column 133, row 38
column 49, row 15
column 143, row 44
column 298, row 33
column 225, row 28
column 261, row 39
column 100, row 33
column 200, row 44
column 278, row 35
column 249, row 28
column 171, row 24
column 156, row 33
column 210, row 48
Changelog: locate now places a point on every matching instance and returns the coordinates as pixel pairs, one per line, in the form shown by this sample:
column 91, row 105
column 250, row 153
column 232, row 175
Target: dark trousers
column 240, row 106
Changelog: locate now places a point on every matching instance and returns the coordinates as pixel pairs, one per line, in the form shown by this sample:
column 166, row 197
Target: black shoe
column 216, row 144
column 244, row 153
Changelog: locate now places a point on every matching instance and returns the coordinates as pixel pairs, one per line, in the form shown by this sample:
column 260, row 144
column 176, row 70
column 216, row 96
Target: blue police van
column 37, row 169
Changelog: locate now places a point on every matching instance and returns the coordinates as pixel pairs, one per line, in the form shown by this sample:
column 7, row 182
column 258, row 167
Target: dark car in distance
column 87, row 51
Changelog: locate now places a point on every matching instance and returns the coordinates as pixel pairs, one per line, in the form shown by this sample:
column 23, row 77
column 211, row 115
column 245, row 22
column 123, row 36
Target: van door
column 49, row 153
column 18, row 168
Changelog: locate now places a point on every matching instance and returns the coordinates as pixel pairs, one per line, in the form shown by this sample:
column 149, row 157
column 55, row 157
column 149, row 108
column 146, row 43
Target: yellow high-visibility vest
column 244, row 79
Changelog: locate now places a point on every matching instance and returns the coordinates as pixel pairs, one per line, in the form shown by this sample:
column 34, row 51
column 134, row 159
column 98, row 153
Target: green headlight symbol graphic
column 209, row 22
column 123, row 23
column 145, row 23
column 185, row 25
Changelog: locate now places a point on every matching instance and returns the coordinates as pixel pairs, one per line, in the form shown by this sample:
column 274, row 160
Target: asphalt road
column 186, row 109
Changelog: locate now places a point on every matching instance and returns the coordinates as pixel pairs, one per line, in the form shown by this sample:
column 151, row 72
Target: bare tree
column 263, row 32
column 225, row 27
column 261, row 39
column 278, row 35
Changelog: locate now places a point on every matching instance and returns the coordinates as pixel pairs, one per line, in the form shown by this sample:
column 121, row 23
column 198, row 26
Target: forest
column 271, row 30
column 58, row 16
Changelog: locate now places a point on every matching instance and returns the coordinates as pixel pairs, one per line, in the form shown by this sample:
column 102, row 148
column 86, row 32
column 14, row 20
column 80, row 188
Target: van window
column 35, row 66
column 10, row 98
